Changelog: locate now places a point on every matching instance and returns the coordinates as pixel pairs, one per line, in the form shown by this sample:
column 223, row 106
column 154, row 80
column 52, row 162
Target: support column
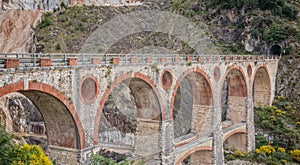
column 218, row 136
column 167, row 142
column 250, row 125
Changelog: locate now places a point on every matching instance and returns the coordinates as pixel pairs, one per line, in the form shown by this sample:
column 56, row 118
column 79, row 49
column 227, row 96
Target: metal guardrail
column 27, row 60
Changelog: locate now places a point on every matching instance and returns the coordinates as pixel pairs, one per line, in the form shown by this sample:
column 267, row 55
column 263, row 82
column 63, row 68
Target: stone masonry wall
column 237, row 110
column 202, row 120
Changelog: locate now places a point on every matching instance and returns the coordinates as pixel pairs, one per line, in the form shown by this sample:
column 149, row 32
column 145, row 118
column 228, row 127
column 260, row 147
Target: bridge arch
column 134, row 100
column 234, row 96
column 261, row 86
column 236, row 140
column 61, row 131
column 202, row 154
column 193, row 95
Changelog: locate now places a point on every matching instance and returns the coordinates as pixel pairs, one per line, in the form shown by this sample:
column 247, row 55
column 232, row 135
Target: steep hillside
column 16, row 29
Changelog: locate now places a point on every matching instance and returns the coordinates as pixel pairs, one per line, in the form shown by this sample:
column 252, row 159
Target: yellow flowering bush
column 288, row 107
column 31, row 154
column 280, row 112
column 268, row 149
column 280, row 97
column 273, row 118
column 280, row 149
column 295, row 155
column 257, row 151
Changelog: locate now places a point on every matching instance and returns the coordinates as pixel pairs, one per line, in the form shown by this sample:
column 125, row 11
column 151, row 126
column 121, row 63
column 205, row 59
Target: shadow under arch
column 63, row 125
column 261, row 86
column 234, row 92
column 130, row 114
column 203, row 155
column 193, row 96
column 236, row 140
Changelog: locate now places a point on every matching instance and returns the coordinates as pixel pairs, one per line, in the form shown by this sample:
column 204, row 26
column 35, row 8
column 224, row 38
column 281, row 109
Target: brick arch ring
column 201, row 148
column 232, row 133
column 187, row 72
column 116, row 82
column 225, row 75
column 256, row 69
column 45, row 88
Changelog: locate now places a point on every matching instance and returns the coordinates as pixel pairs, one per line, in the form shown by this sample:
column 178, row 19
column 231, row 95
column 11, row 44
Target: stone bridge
column 166, row 109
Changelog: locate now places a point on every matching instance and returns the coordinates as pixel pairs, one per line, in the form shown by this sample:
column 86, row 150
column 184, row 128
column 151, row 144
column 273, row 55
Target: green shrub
column 58, row 46
column 44, row 23
column 6, row 152
column 20, row 155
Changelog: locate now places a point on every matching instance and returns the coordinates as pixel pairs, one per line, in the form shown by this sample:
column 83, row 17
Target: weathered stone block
column 176, row 59
column 189, row 59
column 208, row 59
column 45, row 62
column 11, row 63
column 226, row 58
column 163, row 59
column 116, row 60
column 72, row 61
column 199, row 59
column 133, row 60
column 96, row 61
column 149, row 59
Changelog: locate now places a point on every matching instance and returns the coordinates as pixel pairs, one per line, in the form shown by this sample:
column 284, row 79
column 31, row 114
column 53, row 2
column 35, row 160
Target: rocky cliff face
column 288, row 78
column 16, row 30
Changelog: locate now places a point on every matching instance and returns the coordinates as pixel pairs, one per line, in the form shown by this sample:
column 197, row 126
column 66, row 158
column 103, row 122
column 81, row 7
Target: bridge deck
column 207, row 141
column 62, row 60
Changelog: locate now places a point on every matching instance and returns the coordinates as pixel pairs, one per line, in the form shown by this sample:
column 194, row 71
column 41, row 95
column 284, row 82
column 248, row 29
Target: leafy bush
column 296, row 155
column 6, row 152
column 44, row 23
column 30, row 154
column 20, row 155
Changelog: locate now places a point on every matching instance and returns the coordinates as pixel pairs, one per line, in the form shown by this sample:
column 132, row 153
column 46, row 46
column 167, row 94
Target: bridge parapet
column 64, row 60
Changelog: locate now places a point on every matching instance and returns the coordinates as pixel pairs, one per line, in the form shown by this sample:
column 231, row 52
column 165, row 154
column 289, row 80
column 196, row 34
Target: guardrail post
column 189, row 59
column 96, row 61
column 116, row 60
column 34, row 60
column 226, row 58
column 45, row 62
column 65, row 59
column 176, row 59
column 149, row 60
column 11, row 63
column 72, row 61
column 133, row 60
column 163, row 59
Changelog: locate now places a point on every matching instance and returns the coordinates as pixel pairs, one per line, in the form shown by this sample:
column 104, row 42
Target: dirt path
column 15, row 29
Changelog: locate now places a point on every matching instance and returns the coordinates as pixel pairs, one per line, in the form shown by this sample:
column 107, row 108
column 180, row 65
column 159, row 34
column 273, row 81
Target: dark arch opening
column 43, row 114
column 192, row 106
column 233, row 98
column 261, row 87
column 275, row 50
column 131, row 118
